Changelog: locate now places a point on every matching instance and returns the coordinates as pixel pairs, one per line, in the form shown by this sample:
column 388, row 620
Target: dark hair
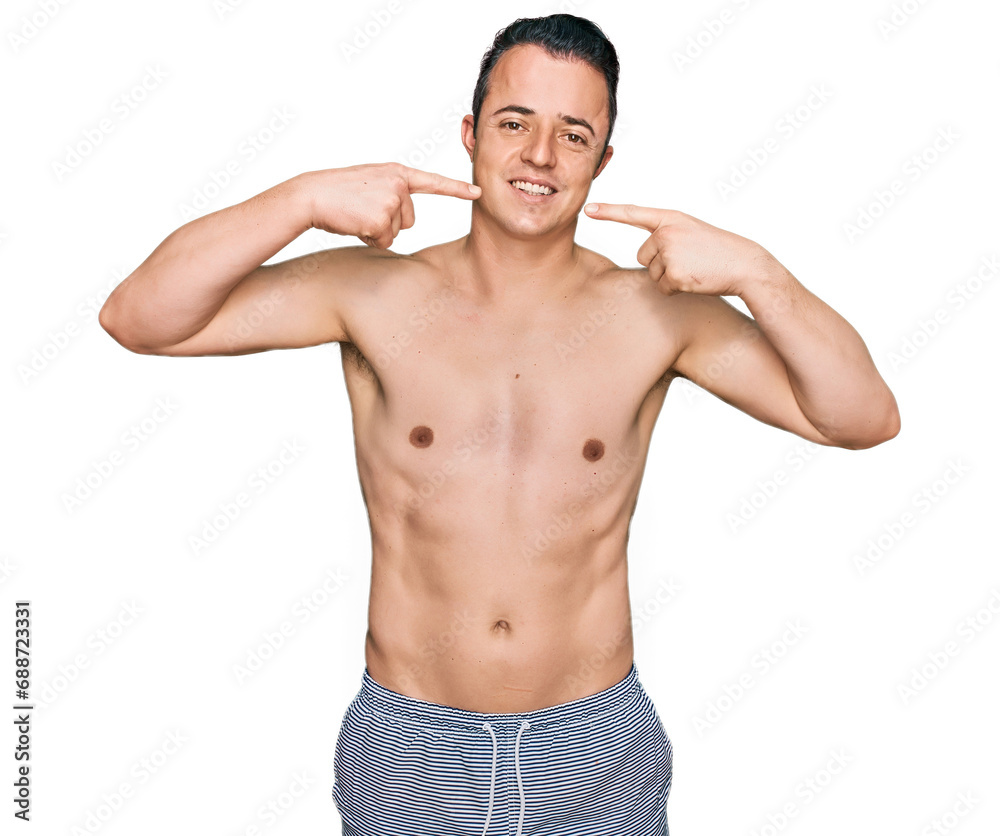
column 562, row 36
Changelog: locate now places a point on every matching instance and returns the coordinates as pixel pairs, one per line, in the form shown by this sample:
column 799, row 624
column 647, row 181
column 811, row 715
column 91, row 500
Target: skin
column 499, row 455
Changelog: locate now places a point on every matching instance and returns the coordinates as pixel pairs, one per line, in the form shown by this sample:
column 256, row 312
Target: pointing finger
column 424, row 182
column 647, row 252
column 628, row 213
column 657, row 269
column 406, row 210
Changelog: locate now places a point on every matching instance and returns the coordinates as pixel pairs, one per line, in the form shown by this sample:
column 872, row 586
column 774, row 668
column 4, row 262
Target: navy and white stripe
column 594, row 766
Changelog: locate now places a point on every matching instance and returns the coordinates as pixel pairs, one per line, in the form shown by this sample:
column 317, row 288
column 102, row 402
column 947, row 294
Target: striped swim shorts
column 601, row 764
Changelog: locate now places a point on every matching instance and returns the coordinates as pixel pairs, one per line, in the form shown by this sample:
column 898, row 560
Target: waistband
column 407, row 709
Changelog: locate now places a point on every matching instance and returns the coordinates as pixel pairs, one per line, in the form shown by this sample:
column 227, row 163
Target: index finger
column 628, row 213
column 425, row 182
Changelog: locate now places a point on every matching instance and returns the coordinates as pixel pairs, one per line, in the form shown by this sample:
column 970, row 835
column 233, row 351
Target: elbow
column 115, row 321
column 107, row 322
column 106, row 319
column 893, row 425
column 877, row 432
column 890, row 422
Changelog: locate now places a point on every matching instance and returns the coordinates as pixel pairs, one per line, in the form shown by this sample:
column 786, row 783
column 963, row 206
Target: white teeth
column 531, row 188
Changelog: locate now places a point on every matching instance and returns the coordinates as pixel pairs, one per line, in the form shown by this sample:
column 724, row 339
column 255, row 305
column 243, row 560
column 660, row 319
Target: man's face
column 545, row 120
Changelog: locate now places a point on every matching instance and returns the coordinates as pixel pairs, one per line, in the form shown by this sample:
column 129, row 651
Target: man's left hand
column 684, row 254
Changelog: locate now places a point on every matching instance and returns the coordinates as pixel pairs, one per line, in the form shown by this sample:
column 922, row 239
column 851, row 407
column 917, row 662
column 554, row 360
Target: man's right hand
column 373, row 202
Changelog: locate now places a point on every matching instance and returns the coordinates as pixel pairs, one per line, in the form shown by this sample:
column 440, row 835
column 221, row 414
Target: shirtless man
column 499, row 456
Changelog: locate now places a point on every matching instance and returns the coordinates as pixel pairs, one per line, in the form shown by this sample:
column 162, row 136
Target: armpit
column 352, row 355
column 665, row 381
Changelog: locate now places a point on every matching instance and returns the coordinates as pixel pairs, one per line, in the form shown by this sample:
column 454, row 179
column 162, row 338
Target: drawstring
column 517, row 771
column 493, row 772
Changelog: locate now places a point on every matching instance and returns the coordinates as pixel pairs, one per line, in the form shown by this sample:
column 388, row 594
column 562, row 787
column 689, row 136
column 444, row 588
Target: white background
column 110, row 687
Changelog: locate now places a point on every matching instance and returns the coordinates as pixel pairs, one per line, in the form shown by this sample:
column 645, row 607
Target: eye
column 515, row 124
column 578, row 138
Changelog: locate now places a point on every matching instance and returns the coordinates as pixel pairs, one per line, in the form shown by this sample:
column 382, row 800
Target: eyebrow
column 527, row 111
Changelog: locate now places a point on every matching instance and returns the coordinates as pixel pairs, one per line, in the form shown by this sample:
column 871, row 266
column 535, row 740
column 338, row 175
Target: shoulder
column 365, row 270
column 604, row 274
column 675, row 320
column 682, row 308
column 631, row 284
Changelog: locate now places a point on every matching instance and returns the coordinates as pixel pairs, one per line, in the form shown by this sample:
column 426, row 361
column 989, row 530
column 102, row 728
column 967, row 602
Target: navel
column 501, row 625
column 421, row 436
column 593, row 449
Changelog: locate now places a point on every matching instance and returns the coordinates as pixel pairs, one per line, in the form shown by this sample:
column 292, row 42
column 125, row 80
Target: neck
column 501, row 265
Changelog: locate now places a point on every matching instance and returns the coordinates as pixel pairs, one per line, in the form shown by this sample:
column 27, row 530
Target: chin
column 525, row 230
column 523, row 226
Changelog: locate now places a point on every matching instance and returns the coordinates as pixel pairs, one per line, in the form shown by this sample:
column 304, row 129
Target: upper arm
column 293, row 304
column 725, row 352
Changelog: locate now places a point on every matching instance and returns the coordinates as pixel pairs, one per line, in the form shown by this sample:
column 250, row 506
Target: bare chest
column 562, row 385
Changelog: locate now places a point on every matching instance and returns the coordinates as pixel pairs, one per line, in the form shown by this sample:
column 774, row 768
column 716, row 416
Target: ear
column 607, row 158
column 468, row 135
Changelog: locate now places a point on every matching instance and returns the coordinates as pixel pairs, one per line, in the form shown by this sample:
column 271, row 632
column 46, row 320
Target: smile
column 534, row 189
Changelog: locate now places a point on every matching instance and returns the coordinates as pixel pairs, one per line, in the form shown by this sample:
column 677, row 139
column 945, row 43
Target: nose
column 539, row 150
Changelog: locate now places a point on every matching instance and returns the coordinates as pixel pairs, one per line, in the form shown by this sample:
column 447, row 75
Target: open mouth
column 531, row 189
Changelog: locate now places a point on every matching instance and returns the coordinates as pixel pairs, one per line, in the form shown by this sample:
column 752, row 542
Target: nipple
column 421, row 436
column 593, row 449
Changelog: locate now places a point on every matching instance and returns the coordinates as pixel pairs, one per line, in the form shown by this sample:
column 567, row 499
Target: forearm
column 177, row 290
column 829, row 367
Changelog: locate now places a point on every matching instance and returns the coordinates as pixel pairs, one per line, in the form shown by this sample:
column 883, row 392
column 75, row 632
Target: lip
column 533, row 198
